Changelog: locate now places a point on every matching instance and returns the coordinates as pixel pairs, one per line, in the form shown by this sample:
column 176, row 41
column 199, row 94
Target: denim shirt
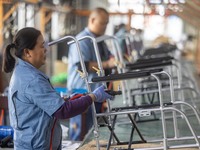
column 32, row 101
column 86, row 46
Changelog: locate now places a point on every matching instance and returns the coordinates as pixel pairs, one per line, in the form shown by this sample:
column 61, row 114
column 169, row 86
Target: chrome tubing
column 85, row 75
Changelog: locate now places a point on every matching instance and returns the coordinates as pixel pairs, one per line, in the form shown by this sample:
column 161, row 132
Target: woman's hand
column 101, row 95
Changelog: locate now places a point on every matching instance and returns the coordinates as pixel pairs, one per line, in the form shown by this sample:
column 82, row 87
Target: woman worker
column 34, row 105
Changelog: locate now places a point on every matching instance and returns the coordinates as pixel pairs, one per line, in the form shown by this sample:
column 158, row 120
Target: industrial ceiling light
column 173, row 1
column 56, row 2
column 182, row 1
column 166, row 1
column 161, row 10
column 155, row 1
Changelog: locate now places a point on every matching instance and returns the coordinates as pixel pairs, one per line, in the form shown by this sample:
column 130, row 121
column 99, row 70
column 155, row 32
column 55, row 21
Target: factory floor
column 149, row 123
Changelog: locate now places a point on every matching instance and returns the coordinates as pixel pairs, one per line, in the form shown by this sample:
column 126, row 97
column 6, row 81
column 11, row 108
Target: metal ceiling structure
column 187, row 10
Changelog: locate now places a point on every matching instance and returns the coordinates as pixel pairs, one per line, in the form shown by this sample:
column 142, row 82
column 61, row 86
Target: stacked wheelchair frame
column 111, row 116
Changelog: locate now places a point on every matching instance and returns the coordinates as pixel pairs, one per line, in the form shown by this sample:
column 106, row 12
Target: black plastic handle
column 122, row 76
column 113, row 93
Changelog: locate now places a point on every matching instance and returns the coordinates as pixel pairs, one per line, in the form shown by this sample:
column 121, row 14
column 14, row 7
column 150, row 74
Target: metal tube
column 171, row 85
column 85, row 76
column 118, row 57
column 189, row 105
column 99, row 61
column 162, row 112
column 188, row 123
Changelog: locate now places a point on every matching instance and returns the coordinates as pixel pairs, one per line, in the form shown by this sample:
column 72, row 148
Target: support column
column 197, row 59
column 1, row 44
column 130, row 12
column 42, row 20
column 1, row 25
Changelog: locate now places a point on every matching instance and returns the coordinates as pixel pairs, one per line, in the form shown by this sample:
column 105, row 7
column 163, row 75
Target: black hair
column 100, row 9
column 25, row 38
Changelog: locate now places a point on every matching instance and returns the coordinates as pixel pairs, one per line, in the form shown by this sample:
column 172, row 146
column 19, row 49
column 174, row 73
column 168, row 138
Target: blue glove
column 101, row 95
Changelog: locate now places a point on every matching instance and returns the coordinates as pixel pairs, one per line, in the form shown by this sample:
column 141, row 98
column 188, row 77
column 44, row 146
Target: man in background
column 97, row 23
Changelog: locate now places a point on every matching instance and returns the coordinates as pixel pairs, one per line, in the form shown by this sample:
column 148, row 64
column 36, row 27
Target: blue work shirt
column 75, row 81
column 32, row 101
column 86, row 46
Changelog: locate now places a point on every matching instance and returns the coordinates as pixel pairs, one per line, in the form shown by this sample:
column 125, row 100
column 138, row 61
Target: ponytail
column 8, row 59
column 25, row 38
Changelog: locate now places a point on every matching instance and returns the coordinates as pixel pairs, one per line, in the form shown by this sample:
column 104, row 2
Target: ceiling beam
column 190, row 12
column 192, row 7
column 186, row 18
column 7, row 15
column 195, row 2
column 84, row 12
column 6, row 1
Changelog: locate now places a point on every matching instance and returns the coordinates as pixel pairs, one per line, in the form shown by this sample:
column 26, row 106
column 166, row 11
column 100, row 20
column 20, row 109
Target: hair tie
column 12, row 45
